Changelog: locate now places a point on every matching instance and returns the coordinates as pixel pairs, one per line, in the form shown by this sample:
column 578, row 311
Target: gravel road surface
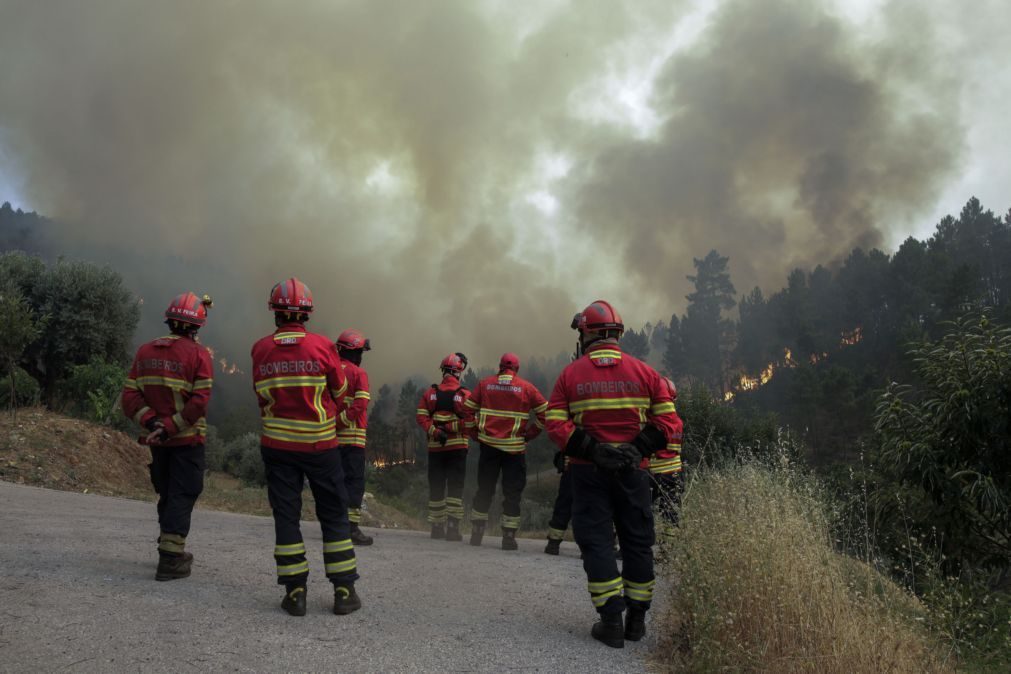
column 78, row 593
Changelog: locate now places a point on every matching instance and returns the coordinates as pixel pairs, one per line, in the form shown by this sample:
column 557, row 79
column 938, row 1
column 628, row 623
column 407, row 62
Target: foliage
column 239, row 457
column 89, row 314
column 705, row 335
column 947, row 443
column 760, row 588
column 19, row 327
column 92, row 391
column 26, row 390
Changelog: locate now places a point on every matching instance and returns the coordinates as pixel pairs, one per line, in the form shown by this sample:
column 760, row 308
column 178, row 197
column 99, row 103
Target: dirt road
column 77, row 594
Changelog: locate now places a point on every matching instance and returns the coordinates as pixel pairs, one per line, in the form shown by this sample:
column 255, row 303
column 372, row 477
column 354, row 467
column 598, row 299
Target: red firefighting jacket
column 610, row 395
column 298, row 381
column 170, row 380
column 433, row 416
column 501, row 406
column 353, row 421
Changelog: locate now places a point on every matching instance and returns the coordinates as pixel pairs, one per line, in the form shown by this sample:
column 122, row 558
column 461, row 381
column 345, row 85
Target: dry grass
column 757, row 586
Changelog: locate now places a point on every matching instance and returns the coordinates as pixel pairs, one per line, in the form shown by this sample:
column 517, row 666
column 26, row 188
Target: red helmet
column 598, row 317
column 352, row 340
column 291, row 295
column 509, row 361
column 671, row 387
column 453, row 363
column 188, row 308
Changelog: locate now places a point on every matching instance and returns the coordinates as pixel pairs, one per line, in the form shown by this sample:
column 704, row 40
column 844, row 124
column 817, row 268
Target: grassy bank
column 756, row 585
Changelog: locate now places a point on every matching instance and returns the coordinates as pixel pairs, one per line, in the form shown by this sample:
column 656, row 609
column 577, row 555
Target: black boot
column 477, row 532
column 294, row 600
column 171, row 567
column 635, row 623
column 345, row 599
column 509, row 539
column 358, row 536
column 553, row 547
column 453, row 530
column 438, row 530
column 610, row 630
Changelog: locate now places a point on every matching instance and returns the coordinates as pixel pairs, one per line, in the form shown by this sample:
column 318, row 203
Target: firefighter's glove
column 615, row 457
column 559, row 461
column 650, row 440
column 580, row 445
column 440, row 436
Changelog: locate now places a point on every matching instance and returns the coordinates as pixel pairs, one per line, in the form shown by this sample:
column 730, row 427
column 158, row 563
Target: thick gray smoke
column 458, row 176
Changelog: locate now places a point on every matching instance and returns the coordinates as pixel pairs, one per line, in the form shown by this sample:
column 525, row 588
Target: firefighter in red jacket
column 608, row 411
column 443, row 417
column 351, row 427
column 500, row 408
column 300, row 386
column 666, row 470
column 167, row 392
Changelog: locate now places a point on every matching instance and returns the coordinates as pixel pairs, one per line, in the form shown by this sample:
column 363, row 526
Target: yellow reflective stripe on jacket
column 170, row 382
column 131, row 384
column 140, row 415
column 509, row 414
column 659, row 466
column 540, row 408
column 469, row 404
column 502, row 443
column 299, row 425
column 662, row 408
column 202, row 384
column 287, row 382
column 605, row 353
column 275, row 434
column 581, row 406
column 363, row 395
column 556, row 415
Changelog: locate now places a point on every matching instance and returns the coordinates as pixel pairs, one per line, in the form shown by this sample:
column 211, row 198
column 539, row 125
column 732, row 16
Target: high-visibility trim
column 289, row 382
column 354, row 515
column 200, row 384
column 338, row 546
column 540, row 408
column 510, row 522
column 352, row 437
column 662, row 408
column 454, row 507
column 509, row 414
column 663, row 466
column 180, row 423
column 639, row 591
column 338, row 392
column 140, row 414
column 289, row 549
column 422, row 410
column 605, row 353
column 556, row 415
column 442, row 416
column 131, row 383
column 173, row 543
column 469, row 404
column 299, row 425
column 292, row 569
column 362, row 395
column 345, row 566
column 505, row 379
column 604, row 585
column 476, row 516
column 173, row 383
column 581, row 406
column 322, row 436
column 510, row 445
column 288, row 335
column 555, row 534
column 601, row 591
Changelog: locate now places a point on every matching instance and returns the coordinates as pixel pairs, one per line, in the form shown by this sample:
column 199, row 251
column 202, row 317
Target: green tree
column 18, row 328
column 706, row 335
column 674, row 361
column 636, row 344
column 947, row 442
column 90, row 314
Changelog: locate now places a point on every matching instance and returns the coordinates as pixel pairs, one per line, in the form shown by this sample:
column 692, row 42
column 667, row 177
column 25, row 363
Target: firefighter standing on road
column 501, row 406
column 351, row 427
column 607, row 412
column 443, row 417
column 300, row 386
column 561, row 514
column 167, row 392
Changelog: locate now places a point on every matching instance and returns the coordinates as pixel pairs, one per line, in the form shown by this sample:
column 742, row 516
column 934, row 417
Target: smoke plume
column 464, row 176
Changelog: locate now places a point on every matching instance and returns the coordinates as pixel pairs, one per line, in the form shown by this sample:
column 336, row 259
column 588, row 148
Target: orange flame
column 851, row 338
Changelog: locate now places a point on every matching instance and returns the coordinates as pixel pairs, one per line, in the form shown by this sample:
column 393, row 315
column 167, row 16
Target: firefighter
column 351, row 427
column 443, row 416
column 167, row 392
column 608, row 411
column 501, row 407
column 561, row 515
column 300, row 386
column 665, row 468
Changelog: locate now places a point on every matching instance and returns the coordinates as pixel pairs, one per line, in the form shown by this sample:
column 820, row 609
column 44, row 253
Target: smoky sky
column 440, row 173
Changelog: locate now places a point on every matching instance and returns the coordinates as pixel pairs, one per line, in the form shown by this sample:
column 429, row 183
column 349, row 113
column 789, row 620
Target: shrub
column 92, row 391
column 26, row 390
column 757, row 585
